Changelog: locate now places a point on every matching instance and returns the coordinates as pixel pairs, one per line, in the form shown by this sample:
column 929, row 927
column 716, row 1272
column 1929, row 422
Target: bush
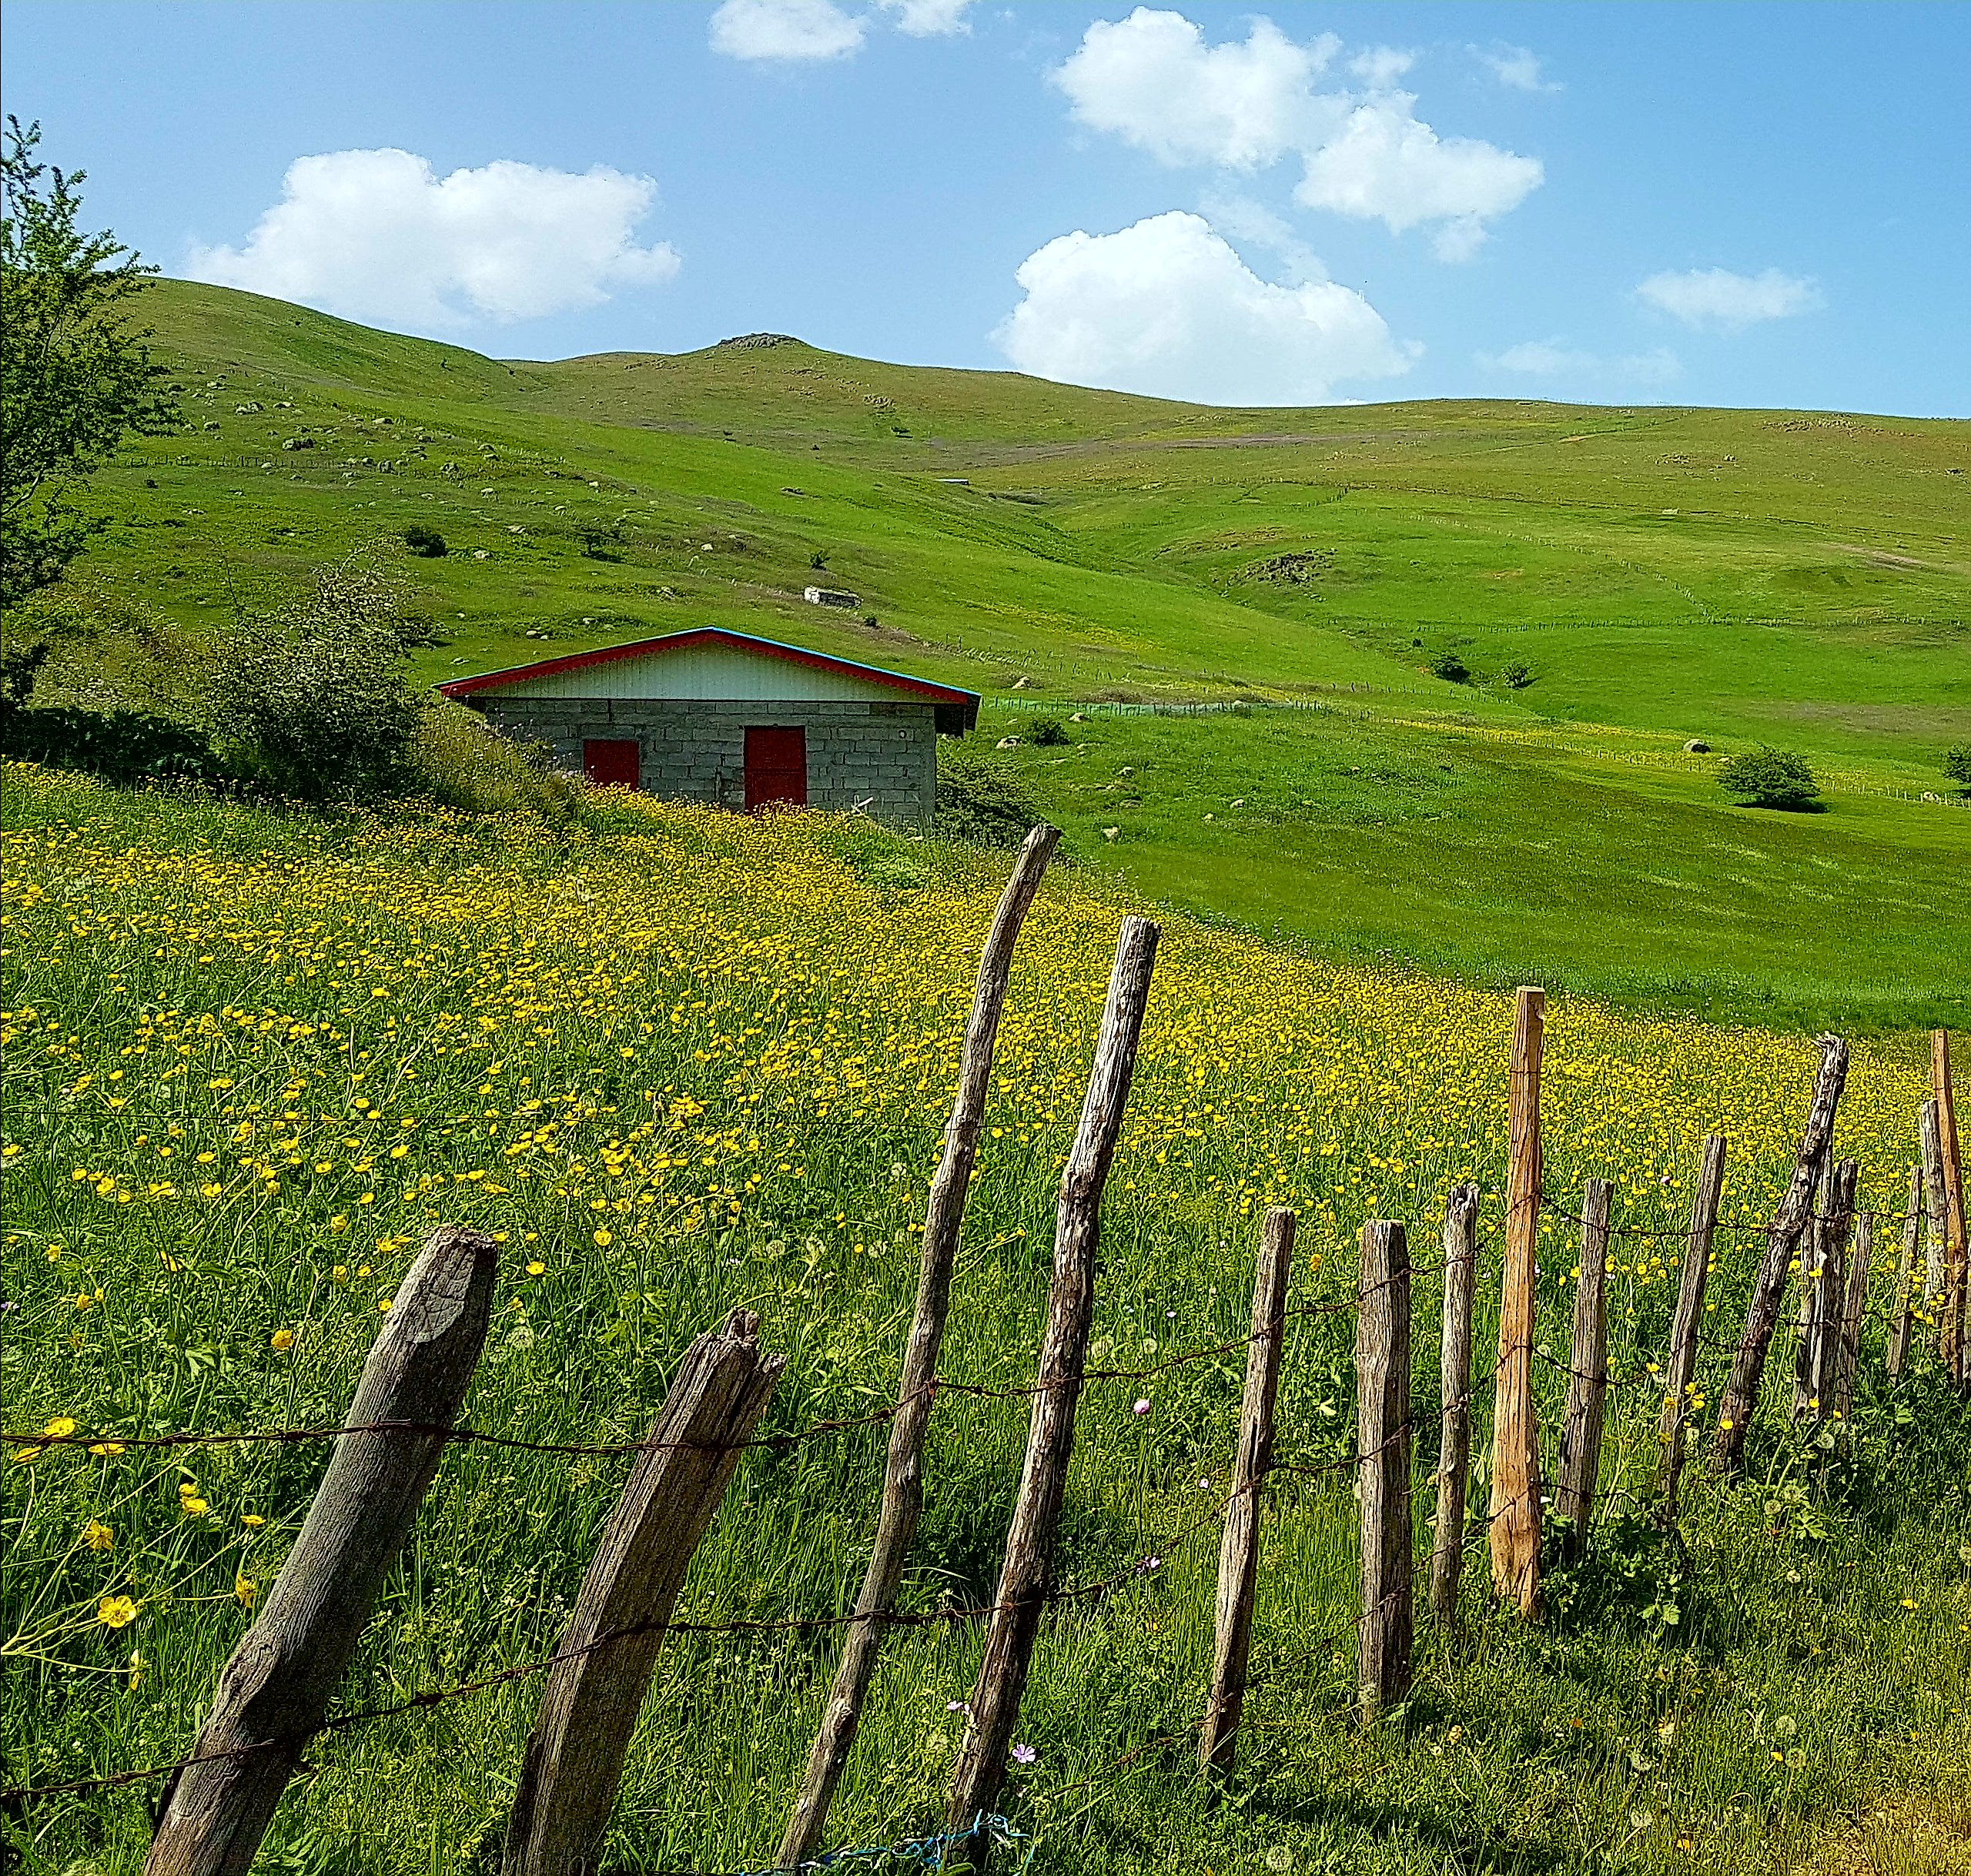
column 1957, row 763
column 1516, row 676
column 118, row 745
column 316, row 704
column 1451, row 668
column 457, row 761
column 980, row 797
column 1047, row 732
column 426, row 541
column 1770, row 778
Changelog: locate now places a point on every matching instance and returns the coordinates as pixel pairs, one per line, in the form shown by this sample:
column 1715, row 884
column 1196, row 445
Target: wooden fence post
column 1383, row 1440
column 1956, row 1276
column 1740, row 1400
column 1513, row 1529
column 1912, row 1229
column 1239, row 1550
column 1848, row 1356
column 274, row 1693
column 573, row 1761
column 1023, row 1575
column 1823, row 1291
column 1455, row 1391
column 1587, row 1378
column 1682, row 1365
column 903, row 1471
column 1936, row 1207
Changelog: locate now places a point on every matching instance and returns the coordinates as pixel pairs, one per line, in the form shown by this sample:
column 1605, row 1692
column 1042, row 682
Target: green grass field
column 1736, row 576
column 251, row 1058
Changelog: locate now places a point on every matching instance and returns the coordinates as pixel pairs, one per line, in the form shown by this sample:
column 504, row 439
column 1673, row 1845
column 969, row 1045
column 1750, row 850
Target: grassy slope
column 1736, row 575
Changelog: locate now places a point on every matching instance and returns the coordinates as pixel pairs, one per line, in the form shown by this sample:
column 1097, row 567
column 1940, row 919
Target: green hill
column 1616, row 582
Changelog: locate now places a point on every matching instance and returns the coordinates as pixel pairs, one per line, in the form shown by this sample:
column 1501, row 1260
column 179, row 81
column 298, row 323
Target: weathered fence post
column 1848, row 1356
column 1956, row 1273
column 1587, row 1377
column 1239, row 1550
column 274, row 1693
column 573, row 1761
column 1823, row 1291
column 1382, row 1441
column 1454, row 1390
column 903, row 1480
column 1682, row 1365
column 1740, row 1400
column 1912, row 1231
column 1513, row 1529
column 1936, row 1207
column 1022, row 1594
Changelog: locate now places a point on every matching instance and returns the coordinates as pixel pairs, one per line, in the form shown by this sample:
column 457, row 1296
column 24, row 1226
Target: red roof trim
column 705, row 634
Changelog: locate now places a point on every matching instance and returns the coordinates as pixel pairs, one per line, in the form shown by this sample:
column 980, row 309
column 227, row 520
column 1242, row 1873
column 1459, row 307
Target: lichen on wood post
column 1383, row 1436
column 1513, row 1530
column 1238, row 1554
column 1461, row 1242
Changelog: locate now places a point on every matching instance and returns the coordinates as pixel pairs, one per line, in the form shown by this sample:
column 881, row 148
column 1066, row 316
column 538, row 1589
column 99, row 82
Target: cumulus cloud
column 1549, row 357
column 378, row 235
column 924, row 19
column 1515, row 66
column 1385, row 165
column 1166, row 309
column 1381, row 66
column 1151, row 80
column 787, row 30
column 1728, row 302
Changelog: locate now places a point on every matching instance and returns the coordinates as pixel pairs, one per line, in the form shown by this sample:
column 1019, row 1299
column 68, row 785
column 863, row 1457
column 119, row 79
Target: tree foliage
column 76, row 378
column 1770, row 778
column 1957, row 763
column 314, row 703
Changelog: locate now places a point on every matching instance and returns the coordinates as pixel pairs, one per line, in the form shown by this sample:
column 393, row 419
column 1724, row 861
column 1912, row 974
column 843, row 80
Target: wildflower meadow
column 676, row 1063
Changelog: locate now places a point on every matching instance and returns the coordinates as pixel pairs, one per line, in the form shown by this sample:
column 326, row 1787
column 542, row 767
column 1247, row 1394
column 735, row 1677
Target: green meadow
column 1661, row 576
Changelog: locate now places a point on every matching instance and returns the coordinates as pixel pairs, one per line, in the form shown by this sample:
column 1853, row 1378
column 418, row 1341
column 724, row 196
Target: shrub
column 426, row 541
column 1451, row 668
column 118, row 745
column 1516, row 676
column 316, row 704
column 1047, row 732
column 1770, row 778
column 980, row 797
column 1957, row 763
column 457, row 761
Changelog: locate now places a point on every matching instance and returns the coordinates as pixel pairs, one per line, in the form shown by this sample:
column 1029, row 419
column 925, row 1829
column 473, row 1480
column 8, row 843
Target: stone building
column 711, row 715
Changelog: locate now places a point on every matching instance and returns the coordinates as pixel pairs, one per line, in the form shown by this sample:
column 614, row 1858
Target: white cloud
column 1381, row 66
column 1385, row 165
column 789, row 30
column 1245, row 219
column 1549, row 358
column 1151, row 80
column 924, row 19
column 1165, row 308
column 1514, row 65
column 377, row 234
column 1717, row 297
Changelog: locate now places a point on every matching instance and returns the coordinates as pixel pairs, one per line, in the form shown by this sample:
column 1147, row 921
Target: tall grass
column 681, row 1063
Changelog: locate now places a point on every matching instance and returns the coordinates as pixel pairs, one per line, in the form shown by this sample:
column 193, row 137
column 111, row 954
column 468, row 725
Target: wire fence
column 929, row 1851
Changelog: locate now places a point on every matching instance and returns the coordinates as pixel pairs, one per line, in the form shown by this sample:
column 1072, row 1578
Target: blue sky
column 1710, row 203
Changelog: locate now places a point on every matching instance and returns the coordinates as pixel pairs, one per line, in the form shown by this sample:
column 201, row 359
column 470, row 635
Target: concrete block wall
column 882, row 754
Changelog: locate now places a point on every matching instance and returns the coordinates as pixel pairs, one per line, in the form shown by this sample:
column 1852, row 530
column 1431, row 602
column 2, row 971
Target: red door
column 612, row 762
column 776, row 768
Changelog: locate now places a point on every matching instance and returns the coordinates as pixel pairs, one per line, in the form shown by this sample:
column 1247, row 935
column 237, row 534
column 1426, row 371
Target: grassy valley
column 1656, row 576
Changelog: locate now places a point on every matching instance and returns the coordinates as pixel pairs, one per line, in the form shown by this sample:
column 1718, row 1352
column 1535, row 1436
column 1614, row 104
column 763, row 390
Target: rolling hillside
column 1659, row 574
